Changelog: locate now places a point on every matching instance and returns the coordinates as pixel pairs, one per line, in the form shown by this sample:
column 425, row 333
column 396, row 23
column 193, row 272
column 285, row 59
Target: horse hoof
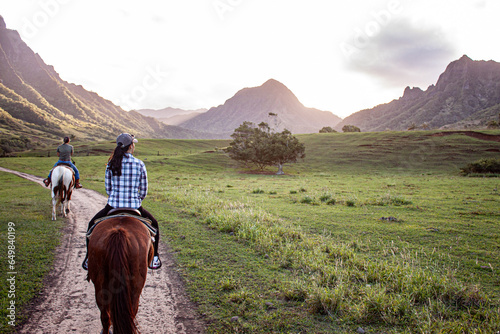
column 67, row 211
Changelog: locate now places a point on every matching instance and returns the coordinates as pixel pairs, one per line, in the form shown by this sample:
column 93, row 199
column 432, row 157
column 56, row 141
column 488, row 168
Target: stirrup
column 85, row 264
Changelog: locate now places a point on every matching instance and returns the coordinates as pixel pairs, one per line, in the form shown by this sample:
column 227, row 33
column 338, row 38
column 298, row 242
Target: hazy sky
column 336, row 56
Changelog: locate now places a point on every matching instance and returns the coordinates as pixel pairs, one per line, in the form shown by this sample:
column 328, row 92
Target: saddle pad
column 63, row 165
column 143, row 220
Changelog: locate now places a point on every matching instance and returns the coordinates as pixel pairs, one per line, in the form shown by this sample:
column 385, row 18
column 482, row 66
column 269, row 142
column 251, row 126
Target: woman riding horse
column 126, row 184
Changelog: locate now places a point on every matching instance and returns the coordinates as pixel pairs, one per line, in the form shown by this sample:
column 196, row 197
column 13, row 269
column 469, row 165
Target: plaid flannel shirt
column 129, row 189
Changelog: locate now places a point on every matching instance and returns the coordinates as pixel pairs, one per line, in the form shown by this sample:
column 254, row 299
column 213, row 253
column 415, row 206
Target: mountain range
column 171, row 116
column 38, row 107
column 466, row 95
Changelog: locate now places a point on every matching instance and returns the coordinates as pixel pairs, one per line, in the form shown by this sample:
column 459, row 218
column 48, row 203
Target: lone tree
column 259, row 146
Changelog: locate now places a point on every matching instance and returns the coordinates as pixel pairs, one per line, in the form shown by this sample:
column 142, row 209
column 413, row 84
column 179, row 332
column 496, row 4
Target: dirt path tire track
column 67, row 302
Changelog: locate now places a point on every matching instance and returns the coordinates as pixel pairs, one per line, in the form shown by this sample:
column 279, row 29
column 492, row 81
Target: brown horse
column 119, row 250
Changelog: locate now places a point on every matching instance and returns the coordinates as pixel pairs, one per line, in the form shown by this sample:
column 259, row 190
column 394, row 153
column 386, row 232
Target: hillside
column 38, row 107
column 467, row 94
column 255, row 105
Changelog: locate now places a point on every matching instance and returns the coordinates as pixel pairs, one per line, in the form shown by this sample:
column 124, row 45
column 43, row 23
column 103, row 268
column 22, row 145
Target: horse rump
column 118, row 251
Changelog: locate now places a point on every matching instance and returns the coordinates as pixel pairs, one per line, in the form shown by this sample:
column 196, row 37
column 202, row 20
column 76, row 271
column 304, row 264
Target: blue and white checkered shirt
column 129, row 189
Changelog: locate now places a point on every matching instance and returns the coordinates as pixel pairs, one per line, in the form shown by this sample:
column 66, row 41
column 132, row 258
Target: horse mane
column 117, row 277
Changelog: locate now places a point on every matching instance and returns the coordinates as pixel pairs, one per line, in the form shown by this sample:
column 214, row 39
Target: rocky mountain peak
column 2, row 23
column 255, row 104
column 273, row 83
column 269, row 90
column 412, row 93
column 456, row 71
column 460, row 65
column 467, row 93
column 464, row 59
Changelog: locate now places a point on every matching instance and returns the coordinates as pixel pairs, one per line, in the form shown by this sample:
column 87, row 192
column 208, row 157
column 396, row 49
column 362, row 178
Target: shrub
column 332, row 201
column 325, row 198
column 389, row 199
column 307, row 200
column 327, row 129
column 258, row 191
column 350, row 128
column 483, row 166
column 492, row 125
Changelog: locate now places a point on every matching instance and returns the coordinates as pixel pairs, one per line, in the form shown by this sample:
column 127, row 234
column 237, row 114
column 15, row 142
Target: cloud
column 480, row 3
column 399, row 53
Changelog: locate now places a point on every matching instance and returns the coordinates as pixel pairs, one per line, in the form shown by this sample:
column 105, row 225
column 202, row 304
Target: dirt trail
column 67, row 302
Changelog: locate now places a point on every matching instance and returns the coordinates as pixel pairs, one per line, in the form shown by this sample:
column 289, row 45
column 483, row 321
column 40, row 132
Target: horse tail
column 119, row 280
column 62, row 190
column 59, row 188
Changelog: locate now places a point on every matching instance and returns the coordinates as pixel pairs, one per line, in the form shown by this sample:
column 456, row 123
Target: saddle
column 125, row 212
column 64, row 164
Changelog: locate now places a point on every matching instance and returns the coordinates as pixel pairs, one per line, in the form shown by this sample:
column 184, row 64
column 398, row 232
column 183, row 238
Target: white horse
column 63, row 181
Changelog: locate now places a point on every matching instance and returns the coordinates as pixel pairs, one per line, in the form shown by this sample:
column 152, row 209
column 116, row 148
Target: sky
column 336, row 56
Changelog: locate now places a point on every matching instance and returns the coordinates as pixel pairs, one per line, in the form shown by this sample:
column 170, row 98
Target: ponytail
column 115, row 161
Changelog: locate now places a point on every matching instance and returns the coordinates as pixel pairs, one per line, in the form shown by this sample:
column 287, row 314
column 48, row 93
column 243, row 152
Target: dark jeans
column 143, row 212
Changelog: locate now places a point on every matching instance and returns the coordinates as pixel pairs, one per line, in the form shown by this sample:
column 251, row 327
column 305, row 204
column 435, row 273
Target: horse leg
column 67, row 206
column 105, row 321
column 54, row 208
column 64, row 208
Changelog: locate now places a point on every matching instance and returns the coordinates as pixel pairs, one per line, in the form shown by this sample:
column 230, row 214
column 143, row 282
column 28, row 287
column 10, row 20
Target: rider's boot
column 46, row 182
column 77, row 184
column 156, row 263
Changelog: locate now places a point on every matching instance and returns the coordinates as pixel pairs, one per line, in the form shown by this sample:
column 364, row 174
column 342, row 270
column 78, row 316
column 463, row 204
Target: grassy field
column 25, row 207
column 371, row 230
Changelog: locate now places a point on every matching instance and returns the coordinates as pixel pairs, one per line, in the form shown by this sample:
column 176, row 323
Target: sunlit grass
column 333, row 279
column 371, row 230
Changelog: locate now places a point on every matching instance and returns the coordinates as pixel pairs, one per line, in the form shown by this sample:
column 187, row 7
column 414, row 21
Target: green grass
column 27, row 206
column 371, row 230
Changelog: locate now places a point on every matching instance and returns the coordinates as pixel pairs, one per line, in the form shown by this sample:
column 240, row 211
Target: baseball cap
column 125, row 139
